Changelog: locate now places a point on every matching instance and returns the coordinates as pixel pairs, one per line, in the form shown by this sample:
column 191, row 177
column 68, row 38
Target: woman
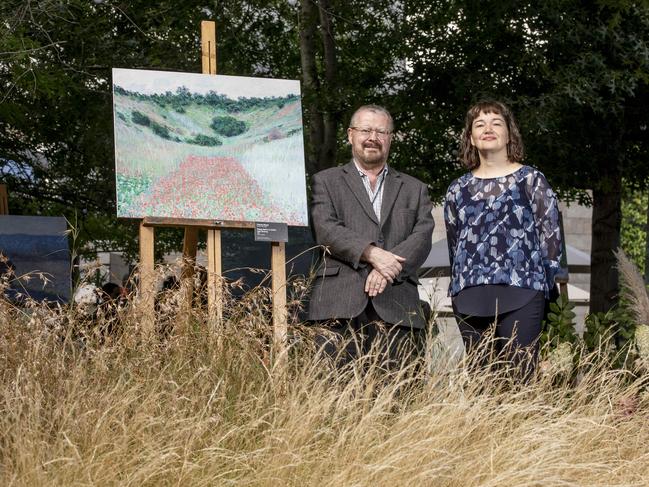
column 502, row 226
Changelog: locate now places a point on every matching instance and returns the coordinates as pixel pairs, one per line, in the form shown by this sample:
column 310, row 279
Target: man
column 375, row 224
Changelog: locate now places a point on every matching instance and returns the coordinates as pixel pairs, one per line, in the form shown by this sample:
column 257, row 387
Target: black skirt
column 491, row 299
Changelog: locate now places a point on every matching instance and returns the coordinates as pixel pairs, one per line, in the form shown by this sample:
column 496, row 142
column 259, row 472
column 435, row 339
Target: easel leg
column 214, row 280
column 190, row 246
column 4, row 200
column 280, row 322
column 147, row 280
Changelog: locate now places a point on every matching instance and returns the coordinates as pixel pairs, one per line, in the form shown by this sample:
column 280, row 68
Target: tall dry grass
column 77, row 408
column 634, row 287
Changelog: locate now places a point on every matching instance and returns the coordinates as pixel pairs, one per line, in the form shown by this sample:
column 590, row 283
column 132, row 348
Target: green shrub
column 612, row 332
column 205, row 140
column 228, row 126
column 178, row 107
column 559, row 327
column 140, row 118
column 160, row 130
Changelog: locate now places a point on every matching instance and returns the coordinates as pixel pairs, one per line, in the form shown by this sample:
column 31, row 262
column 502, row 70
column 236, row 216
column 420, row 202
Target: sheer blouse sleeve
column 450, row 219
column 546, row 220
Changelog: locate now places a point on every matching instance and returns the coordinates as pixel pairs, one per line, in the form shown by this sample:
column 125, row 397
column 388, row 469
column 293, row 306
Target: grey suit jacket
column 345, row 224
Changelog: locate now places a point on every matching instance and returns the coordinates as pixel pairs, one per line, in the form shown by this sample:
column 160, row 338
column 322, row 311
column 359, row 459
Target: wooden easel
column 4, row 200
column 214, row 269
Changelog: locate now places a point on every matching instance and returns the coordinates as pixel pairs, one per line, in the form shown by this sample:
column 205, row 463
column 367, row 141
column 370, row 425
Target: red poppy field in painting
column 239, row 195
column 206, row 154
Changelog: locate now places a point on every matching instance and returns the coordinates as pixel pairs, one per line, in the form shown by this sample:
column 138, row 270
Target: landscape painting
column 196, row 146
column 35, row 249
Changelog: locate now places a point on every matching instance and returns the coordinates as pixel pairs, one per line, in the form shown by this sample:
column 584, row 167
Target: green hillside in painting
column 207, row 156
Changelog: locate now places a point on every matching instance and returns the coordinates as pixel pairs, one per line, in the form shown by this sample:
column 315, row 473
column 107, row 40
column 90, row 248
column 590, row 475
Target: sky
column 149, row 82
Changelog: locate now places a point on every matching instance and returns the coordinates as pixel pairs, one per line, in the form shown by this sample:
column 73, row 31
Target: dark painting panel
column 37, row 250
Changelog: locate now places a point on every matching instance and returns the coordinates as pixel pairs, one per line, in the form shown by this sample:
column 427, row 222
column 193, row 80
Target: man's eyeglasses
column 366, row 132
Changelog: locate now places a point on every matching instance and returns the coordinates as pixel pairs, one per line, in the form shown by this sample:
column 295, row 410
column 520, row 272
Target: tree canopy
column 575, row 73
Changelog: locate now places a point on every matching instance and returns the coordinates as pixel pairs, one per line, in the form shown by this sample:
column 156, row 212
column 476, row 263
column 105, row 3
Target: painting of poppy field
column 214, row 147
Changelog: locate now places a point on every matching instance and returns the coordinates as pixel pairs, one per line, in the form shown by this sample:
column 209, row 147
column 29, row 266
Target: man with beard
column 375, row 228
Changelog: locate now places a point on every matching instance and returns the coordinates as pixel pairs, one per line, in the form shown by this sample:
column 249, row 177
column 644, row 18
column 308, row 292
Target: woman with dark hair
column 502, row 225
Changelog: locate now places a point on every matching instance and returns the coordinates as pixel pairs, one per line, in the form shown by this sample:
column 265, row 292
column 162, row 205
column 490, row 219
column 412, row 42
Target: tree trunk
column 308, row 22
column 327, row 155
column 646, row 251
column 607, row 219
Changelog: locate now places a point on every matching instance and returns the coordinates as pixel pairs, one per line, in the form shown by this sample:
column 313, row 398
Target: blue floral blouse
column 503, row 230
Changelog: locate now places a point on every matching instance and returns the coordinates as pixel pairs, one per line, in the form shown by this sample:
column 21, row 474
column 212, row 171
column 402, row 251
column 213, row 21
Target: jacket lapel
column 354, row 182
column 391, row 187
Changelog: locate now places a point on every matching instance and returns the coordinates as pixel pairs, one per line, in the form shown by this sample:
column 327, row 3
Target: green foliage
column 228, row 126
column 560, row 324
column 56, row 102
column 574, row 73
column 183, row 98
column 634, row 225
column 56, row 84
column 140, row 118
column 160, row 130
column 133, row 186
column 205, row 140
column 245, row 104
column 611, row 332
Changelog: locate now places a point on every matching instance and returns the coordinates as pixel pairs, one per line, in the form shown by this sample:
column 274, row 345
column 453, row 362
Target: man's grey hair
column 375, row 109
